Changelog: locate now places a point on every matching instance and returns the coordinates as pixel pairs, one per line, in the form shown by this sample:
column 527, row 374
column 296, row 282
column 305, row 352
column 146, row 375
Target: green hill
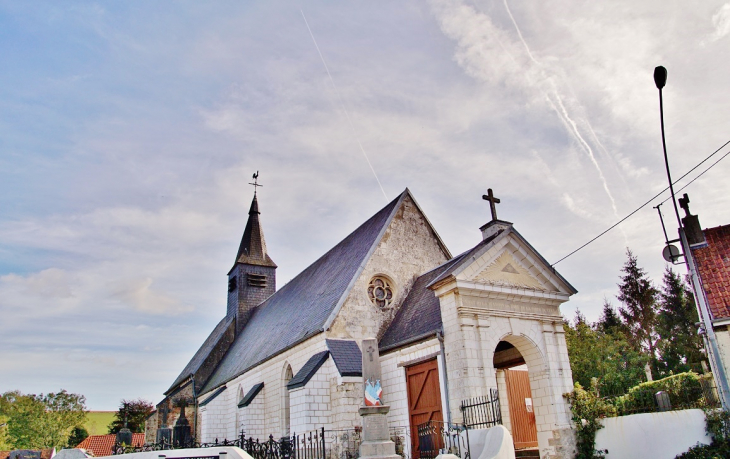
column 97, row 422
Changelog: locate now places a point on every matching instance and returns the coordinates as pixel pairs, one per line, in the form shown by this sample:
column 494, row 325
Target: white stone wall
column 252, row 418
column 221, row 417
column 407, row 250
column 311, row 407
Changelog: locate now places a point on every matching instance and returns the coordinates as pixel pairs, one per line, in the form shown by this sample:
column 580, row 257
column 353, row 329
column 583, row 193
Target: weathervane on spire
column 492, row 203
column 255, row 182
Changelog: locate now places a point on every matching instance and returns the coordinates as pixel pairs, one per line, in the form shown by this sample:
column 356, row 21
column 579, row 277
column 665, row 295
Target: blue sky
column 129, row 132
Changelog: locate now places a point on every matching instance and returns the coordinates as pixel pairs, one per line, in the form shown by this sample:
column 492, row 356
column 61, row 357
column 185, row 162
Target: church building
column 483, row 325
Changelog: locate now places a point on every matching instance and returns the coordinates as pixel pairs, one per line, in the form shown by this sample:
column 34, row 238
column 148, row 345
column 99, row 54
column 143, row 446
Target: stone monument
column 182, row 435
column 376, row 438
column 164, row 433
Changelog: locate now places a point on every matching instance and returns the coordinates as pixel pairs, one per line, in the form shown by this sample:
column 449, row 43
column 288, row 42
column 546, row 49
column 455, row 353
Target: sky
column 129, row 132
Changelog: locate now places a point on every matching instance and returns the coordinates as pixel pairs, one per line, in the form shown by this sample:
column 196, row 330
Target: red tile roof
column 102, row 445
column 713, row 264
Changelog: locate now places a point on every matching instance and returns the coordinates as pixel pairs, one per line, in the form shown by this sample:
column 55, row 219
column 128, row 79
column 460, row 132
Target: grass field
column 97, row 422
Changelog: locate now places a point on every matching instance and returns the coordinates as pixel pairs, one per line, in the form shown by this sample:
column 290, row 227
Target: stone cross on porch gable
column 493, row 201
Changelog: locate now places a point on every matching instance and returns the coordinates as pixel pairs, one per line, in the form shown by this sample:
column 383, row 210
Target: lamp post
column 718, row 369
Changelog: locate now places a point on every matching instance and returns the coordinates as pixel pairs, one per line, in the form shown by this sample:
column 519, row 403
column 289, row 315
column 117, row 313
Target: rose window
column 380, row 292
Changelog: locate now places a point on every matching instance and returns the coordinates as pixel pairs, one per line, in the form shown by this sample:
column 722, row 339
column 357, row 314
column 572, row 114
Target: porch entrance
column 424, row 398
column 514, row 384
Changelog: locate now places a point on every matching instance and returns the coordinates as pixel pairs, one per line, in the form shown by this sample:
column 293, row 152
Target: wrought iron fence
column 310, row 445
column 439, row 437
column 482, row 412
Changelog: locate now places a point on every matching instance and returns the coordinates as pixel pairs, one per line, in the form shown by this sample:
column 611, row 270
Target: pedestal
column 376, row 438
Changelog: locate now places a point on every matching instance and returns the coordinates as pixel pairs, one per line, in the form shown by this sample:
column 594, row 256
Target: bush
column 684, row 390
column 587, row 410
column 718, row 427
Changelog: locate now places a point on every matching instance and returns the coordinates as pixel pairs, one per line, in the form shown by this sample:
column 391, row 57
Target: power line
column 654, row 197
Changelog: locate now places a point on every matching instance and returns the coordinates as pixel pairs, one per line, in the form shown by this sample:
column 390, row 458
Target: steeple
column 252, row 278
column 252, row 250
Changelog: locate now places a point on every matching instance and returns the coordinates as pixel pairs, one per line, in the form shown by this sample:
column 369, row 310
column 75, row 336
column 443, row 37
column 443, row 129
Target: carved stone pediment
column 505, row 270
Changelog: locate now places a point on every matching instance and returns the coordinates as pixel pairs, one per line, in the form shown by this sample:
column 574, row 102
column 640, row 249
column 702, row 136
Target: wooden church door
column 521, row 414
column 424, row 398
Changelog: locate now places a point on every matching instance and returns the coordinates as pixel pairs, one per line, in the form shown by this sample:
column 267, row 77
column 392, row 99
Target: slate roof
column 252, row 393
column 308, row 370
column 713, row 264
column 301, row 308
column 212, row 396
column 252, row 250
column 102, row 445
column 202, row 353
column 420, row 314
column 346, row 355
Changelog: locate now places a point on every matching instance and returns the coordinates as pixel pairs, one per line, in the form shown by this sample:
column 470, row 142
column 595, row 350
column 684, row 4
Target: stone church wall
column 311, row 407
column 408, row 249
column 222, row 420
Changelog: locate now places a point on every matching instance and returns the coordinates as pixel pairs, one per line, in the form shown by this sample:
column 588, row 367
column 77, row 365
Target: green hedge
column 684, row 389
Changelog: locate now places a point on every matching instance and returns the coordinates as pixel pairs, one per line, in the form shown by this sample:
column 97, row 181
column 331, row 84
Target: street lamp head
column 660, row 77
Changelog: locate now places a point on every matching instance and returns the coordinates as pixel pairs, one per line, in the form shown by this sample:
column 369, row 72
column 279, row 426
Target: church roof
column 346, row 355
column 205, row 350
column 308, row 370
column 301, row 308
column 420, row 315
column 252, row 250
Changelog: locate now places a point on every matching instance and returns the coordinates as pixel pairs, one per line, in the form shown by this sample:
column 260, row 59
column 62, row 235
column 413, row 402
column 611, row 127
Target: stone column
column 376, row 438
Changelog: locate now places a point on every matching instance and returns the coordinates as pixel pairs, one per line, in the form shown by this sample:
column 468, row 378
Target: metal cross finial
column 255, row 182
column 492, row 202
column 684, row 203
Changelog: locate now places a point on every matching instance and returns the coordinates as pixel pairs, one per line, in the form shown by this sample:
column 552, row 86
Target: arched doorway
column 515, row 394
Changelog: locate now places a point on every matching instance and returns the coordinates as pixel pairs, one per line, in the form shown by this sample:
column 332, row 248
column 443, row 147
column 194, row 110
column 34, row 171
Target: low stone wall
column 655, row 435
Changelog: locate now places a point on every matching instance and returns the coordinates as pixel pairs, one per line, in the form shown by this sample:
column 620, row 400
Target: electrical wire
column 654, row 197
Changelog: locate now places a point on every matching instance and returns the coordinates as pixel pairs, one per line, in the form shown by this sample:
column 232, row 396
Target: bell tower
column 252, row 279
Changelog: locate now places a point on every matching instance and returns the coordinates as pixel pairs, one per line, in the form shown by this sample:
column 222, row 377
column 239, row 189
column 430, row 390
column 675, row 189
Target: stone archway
column 522, row 381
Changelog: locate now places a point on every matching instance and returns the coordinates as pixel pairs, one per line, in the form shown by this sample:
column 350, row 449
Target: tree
column 42, row 421
column 639, row 311
column 5, row 443
column 78, row 434
column 680, row 345
column 136, row 411
column 610, row 321
column 607, row 357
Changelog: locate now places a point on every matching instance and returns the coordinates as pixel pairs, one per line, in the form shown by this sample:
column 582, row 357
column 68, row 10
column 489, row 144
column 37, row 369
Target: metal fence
column 439, row 437
column 482, row 412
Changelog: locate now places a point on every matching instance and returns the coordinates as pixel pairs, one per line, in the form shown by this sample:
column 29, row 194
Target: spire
column 252, row 250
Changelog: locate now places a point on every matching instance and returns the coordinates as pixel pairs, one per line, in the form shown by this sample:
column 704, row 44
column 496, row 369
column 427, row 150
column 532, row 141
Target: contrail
column 563, row 114
column 342, row 103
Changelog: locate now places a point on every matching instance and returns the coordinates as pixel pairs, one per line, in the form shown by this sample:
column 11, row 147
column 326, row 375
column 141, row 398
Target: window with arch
column 285, row 410
column 380, row 291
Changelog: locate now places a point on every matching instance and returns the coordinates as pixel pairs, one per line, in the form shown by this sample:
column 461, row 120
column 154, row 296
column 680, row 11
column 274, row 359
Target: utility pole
column 718, row 369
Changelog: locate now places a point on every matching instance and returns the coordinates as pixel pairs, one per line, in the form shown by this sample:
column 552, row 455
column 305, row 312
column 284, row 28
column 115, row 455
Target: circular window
column 380, row 291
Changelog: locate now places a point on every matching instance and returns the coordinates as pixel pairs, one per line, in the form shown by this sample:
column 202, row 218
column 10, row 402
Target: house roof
column 308, row 370
column 250, row 395
column 203, row 352
column 346, row 355
column 301, row 308
column 713, row 264
column 420, row 314
column 252, row 250
column 102, row 445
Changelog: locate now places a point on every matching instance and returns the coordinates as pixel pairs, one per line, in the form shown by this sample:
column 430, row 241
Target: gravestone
column 376, row 438
column 182, row 436
column 164, row 433
column 662, row 400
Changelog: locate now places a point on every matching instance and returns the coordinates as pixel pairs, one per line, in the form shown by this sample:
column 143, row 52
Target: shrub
column 587, row 410
column 684, row 390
